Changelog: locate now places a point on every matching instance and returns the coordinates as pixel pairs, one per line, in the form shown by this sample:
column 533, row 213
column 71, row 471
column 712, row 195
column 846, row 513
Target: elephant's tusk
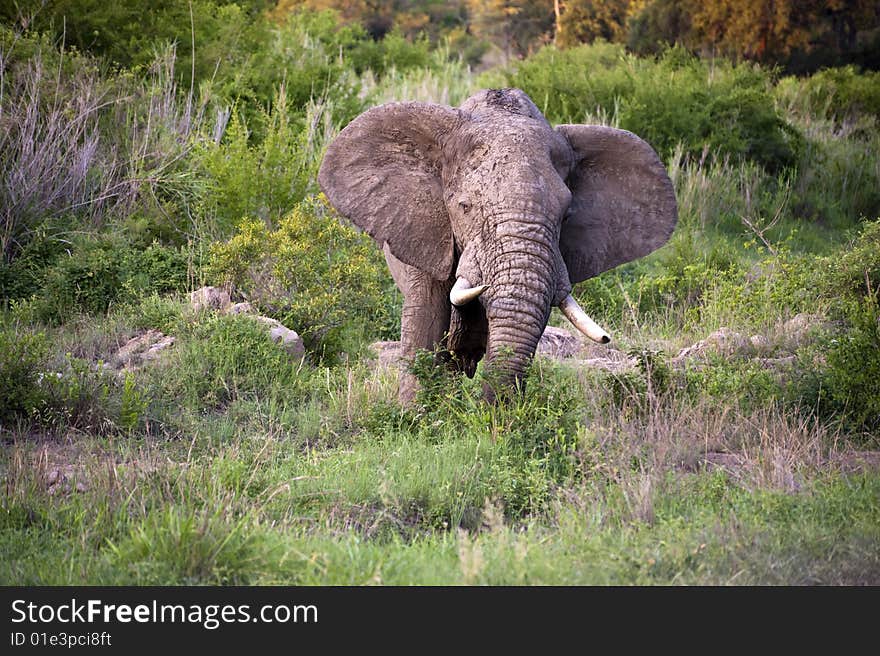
column 574, row 313
column 463, row 293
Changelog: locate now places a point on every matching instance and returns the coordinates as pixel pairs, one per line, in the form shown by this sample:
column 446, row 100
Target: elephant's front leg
column 424, row 320
column 423, row 326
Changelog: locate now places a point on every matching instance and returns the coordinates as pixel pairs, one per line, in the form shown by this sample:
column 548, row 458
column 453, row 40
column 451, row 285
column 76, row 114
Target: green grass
column 246, row 514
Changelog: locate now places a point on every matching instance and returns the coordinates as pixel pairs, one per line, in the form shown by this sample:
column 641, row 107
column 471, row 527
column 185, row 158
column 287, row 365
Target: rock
column 777, row 364
column 283, row 335
column 137, row 351
column 209, row 298
column 240, row 308
column 53, row 476
column 759, row 342
column 852, row 462
column 59, row 480
column 611, row 365
column 724, row 341
column 389, row 353
column 796, row 331
column 558, row 343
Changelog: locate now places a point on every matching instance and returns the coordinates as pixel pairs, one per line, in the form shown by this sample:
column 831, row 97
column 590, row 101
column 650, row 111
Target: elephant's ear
column 383, row 173
column 623, row 203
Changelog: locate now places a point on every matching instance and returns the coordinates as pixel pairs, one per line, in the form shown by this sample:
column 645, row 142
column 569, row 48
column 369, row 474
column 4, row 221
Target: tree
column 584, row 21
column 515, row 26
column 770, row 31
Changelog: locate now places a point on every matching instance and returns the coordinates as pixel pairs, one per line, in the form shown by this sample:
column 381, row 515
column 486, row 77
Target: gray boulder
column 284, row 336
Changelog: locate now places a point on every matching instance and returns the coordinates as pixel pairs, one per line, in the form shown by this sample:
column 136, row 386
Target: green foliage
column 132, row 404
column 263, row 180
column 41, row 389
column 313, row 273
column 534, row 436
column 855, row 271
column 638, row 392
column 220, row 359
column 25, row 275
column 839, row 377
column 89, row 280
column 81, row 395
column 727, row 111
column 101, row 271
column 152, row 311
column 746, row 382
column 23, row 357
column 843, row 93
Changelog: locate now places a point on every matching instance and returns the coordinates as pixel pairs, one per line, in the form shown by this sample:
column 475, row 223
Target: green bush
column 23, row 358
column 41, row 389
column 854, row 271
column 81, row 395
column 88, row 281
column 744, row 381
column 727, row 111
column 842, row 93
column 103, row 270
column 243, row 177
column 314, row 274
column 838, row 375
column 534, row 437
column 25, row 275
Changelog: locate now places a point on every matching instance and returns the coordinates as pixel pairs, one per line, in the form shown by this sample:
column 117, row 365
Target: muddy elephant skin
column 490, row 202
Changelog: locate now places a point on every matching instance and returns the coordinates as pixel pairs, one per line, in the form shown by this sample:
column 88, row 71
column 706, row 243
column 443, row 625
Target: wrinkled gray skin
column 492, row 193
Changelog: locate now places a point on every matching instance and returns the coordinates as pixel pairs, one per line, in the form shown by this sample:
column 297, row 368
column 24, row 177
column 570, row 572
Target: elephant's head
column 490, row 197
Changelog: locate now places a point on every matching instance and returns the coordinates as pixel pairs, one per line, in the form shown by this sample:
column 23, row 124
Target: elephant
column 487, row 215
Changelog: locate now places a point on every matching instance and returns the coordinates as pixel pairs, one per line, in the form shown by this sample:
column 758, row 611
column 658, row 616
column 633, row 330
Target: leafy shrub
column 104, row 270
column 312, row 273
column 22, row 365
column 132, row 404
column 842, row 93
column 838, row 376
column 262, row 180
column 534, row 436
column 855, row 270
column 743, row 381
column 81, row 395
column 162, row 313
column 89, row 280
column 674, row 99
column 37, row 387
column 638, row 391
column 775, row 286
column 24, row 275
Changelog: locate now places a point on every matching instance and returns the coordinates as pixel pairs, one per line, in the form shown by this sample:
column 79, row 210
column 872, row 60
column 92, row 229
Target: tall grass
column 81, row 145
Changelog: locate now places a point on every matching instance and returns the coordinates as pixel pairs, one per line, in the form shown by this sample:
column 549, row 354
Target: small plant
column 23, row 357
column 132, row 404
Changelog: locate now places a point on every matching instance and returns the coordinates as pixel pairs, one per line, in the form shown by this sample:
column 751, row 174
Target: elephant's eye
column 465, row 206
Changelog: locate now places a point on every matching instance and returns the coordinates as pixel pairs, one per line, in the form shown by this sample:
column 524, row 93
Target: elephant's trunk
column 518, row 301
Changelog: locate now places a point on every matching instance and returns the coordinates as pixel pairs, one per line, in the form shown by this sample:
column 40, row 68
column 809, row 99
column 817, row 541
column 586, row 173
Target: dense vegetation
column 135, row 168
